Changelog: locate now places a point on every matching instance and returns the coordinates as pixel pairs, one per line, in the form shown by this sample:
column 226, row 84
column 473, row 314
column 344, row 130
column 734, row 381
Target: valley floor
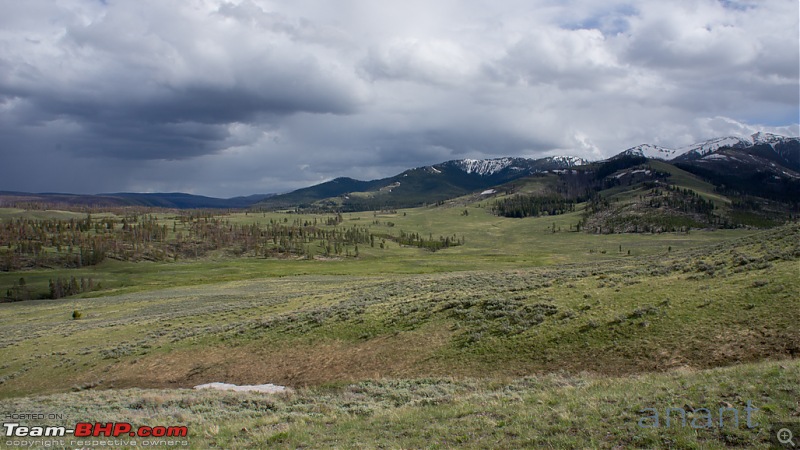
column 559, row 343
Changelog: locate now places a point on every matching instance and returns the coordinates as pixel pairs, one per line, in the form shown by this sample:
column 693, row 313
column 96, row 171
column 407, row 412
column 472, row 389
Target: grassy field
column 491, row 243
column 523, row 336
column 547, row 411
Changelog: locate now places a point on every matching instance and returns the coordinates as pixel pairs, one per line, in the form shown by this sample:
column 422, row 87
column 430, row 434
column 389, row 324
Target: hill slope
column 769, row 167
column 631, row 193
column 415, row 187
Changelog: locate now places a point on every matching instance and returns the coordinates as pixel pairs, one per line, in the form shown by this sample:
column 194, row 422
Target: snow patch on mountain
column 390, row 187
column 484, row 167
column 569, row 161
column 701, row 149
column 651, row 151
column 716, row 156
column 704, row 148
column 767, row 138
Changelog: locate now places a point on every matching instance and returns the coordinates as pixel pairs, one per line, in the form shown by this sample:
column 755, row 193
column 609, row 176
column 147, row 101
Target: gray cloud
column 236, row 97
column 164, row 83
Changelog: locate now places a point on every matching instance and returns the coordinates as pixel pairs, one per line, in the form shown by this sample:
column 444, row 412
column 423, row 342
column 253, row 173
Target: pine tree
column 73, row 286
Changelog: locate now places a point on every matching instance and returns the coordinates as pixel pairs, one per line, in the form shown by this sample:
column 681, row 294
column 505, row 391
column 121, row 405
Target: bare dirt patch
column 402, row 355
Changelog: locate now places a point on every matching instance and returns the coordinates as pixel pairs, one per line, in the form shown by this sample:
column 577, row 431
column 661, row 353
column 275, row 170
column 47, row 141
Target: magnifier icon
column 785, row 436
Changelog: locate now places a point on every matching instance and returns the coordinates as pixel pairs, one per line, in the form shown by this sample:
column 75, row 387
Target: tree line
column 75, row 243
column 417, row 240
column 532, row 206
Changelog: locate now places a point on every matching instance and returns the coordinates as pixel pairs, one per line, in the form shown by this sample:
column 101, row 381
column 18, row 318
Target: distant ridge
column 176, row 200
column 763, row 164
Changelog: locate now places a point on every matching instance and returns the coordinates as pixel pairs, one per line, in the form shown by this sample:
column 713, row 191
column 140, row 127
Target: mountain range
column 418, row 186
column 763, row 165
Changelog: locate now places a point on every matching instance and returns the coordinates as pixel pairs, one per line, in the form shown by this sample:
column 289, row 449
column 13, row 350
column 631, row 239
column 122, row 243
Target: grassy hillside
column 706, row 307
column 688, row 180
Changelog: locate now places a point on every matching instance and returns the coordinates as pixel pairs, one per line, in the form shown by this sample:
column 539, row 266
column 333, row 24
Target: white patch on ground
column 488, row 192
column 266, row 388
column 390, row 187
column 622, row 174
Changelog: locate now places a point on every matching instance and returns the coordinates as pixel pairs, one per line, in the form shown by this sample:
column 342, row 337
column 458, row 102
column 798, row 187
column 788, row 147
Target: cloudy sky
column 227, row 98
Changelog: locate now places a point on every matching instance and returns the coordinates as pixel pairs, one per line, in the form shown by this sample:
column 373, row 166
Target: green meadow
column 529, row 334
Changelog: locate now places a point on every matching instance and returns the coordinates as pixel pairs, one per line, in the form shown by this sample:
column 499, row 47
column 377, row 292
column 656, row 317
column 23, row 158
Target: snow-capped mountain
column 484, row 167
column 568, row 161
column 507, row 166
column 701, row 149
column 650, row 151
column 768, row 138
column 425, row 184
column 782, row 150
column 758, row 160
column 765, row 165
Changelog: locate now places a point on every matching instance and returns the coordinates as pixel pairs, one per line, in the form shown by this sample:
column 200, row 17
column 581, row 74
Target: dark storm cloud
column 236, row 97
column 165, row 83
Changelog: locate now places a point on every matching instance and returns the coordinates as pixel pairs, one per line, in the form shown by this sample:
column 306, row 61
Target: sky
column 240, row 97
